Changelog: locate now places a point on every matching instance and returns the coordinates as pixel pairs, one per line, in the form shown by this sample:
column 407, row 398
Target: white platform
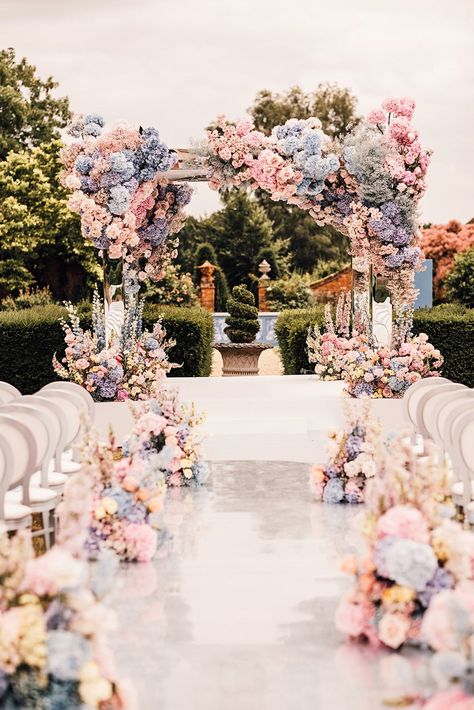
column 280, row 418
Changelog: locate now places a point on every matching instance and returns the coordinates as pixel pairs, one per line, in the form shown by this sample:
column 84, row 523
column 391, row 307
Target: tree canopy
column 30, row 114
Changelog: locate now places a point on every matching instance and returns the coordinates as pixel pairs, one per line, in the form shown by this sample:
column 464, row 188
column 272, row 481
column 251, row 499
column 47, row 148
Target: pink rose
column 393, row 630
column 376, row 116
column 405, row 522
column 82, row 364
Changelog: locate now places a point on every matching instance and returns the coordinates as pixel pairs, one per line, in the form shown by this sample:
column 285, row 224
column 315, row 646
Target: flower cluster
column 387, row 372
column 130, row 368
column 233, row 148
column 414, row 552
column 53, row 629
column 351, row 459
column 164, row 440
column 125, row 206
column 124, row 503
column 328, row 350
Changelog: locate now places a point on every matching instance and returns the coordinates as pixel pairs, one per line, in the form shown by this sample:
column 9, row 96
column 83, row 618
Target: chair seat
column 68, row 466
column 38, row 495
column 16, row 511
column 54, row 479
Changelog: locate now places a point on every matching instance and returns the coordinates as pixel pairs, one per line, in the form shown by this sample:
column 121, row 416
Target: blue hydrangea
column 84, row 164
column 119, row 200
column 66, row 652
column 107, row 388
column 363, row 389
column 134, row 512
column 94, row 118
column 120, row 164
column 333, row 491
column 411, row 564
column 395, row 384
column 353, row 446
column 92, row 129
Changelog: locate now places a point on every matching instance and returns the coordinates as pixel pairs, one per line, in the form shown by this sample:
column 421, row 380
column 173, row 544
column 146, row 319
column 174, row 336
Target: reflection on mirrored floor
column 238, row 614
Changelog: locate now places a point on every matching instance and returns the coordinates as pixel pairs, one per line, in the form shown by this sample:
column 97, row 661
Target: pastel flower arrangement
column 124, row 504
column 387, row 372
column 415, row 551
column 328, row 350
column 164, row 440
column 131, row 367
column 53, row 633
column 232, row 151
column 351, row 458
column 126, row 205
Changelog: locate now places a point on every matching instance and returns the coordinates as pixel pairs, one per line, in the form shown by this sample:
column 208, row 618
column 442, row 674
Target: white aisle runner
column 239, row 616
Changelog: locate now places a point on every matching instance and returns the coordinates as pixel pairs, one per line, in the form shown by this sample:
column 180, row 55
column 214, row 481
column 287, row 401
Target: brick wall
column 329, row 288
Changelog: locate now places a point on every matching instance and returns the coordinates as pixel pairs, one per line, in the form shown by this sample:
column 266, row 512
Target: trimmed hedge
column 29, row 338
column 449, row 327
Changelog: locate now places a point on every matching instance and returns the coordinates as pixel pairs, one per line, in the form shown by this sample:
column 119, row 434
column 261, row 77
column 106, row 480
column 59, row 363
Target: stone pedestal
column 208, row 287
column 240, row 359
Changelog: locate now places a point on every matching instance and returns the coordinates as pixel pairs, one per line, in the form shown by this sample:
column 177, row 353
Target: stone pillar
column 208, row 288
column 264, row 268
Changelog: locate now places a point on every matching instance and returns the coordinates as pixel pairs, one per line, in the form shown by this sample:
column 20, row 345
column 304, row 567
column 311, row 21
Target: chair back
column 57, row 412
column 446, row 404
column 75, row 389
column 8, row 392
column 425, row 409
column 463, row 451
column 21, row 465
column 414, row 393
column 37, row 422
column 73, row 409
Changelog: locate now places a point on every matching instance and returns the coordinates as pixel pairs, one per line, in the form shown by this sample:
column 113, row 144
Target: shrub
column 449, row 327
column 27, row 299
column 206, row 252
column 242, row 324
column 175, row 288
column 460, row 280
column 29, row 339
column 290, row 294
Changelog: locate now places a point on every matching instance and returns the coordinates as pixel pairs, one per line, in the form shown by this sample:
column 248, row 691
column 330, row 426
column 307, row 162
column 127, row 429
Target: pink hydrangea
column 403, row 521
column 141, row 541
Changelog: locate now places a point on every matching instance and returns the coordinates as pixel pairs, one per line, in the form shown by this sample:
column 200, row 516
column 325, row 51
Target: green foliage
column 450, row 328
column 29, row 113
column 175, row 288
column 27, row 299
column 290, row 294
column 460, row 280
column 39, row 235
column 291, row 330
column 278, row 265
column 29, row 338
column 334, row 106
column 206, row 252
column 242, row 324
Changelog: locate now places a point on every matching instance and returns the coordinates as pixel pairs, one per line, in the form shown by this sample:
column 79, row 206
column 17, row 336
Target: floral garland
column 414, row 550
column 164, row 440
column 131, row 367
column 368, row 187
column 351, row 459
column 126, row 208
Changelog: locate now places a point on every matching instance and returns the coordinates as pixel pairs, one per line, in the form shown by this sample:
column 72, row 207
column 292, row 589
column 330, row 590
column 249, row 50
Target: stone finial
column 207, row 273
column 264, row 268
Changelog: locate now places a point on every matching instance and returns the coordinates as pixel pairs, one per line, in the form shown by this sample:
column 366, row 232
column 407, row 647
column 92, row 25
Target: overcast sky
column 176, row 64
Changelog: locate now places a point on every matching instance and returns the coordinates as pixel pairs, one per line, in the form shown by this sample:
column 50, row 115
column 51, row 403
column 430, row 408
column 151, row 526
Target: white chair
column 73, row 409
column 12, row 468
column 55, row 478
column 413, row 395
column 463, row 442
column 8, row 393
column 461, row 495
column 75, row 389
column 44, row 478
column 425, row 408
column 40, row 500
column 446, row 404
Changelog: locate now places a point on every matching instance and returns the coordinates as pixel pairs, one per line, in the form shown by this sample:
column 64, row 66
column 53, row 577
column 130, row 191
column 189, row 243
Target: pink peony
column 405, row 522
column 351, row 618
column 393, row 630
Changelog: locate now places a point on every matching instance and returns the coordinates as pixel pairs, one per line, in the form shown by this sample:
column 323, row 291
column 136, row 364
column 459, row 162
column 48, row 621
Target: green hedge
column 450, row 328
column 29, row 338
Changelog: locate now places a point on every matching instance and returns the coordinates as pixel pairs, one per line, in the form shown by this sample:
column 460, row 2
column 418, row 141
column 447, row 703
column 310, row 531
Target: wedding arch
column 130, row 190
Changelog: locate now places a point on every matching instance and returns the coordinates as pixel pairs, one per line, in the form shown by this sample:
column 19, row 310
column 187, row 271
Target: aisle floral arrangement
column 124, row 504
column 414, row 549
column 130, row 367
column 387, row 372
column 328, row 350
column 127, row 207
column 351, row 458
column 165, row 440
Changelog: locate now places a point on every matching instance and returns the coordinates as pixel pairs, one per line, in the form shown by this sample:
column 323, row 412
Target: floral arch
column 130, row 190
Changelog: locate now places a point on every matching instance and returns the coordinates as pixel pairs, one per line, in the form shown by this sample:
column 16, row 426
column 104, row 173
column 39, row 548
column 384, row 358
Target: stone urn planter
column 240, row 359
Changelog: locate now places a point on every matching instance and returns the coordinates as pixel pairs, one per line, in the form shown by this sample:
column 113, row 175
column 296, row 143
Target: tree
column 206, row 252
column 442, row 242
column 242, row 324
column 39, row 235
column 460, row 280
column 29, row 113
column 336, row 108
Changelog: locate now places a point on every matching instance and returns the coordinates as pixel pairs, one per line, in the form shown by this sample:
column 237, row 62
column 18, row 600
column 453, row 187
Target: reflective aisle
column 238, row 615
